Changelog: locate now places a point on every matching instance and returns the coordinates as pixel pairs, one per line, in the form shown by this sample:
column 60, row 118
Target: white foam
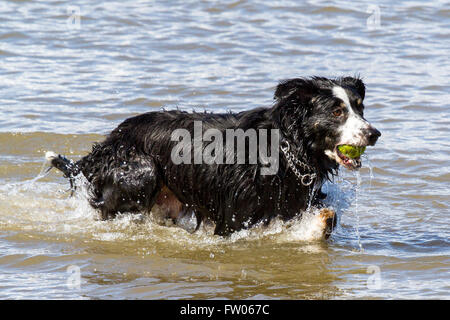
column 50, row 155
column 47, row 207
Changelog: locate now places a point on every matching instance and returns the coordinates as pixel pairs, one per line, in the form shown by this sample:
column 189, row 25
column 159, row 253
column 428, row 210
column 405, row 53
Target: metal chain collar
column 307, row 178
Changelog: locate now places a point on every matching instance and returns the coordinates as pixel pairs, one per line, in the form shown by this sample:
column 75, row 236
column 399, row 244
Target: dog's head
column 322, row 114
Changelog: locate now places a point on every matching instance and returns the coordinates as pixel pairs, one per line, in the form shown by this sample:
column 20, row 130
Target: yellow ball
column 351, row 151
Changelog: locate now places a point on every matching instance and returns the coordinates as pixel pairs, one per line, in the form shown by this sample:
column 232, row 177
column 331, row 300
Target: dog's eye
column 338, row 113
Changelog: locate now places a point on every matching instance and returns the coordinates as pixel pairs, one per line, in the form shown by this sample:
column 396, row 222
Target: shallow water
column 65, row 82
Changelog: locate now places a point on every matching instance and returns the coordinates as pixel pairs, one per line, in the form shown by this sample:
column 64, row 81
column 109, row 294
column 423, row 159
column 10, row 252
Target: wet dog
column 137, row 168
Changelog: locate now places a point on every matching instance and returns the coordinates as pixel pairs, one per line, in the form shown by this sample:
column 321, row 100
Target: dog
column 133, row 169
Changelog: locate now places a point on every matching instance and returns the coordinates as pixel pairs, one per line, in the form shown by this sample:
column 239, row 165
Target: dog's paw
column 328, row 221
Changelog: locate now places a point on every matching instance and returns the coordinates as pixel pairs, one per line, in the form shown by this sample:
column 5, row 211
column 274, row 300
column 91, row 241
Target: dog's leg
column 328, row 221
column 168, row 207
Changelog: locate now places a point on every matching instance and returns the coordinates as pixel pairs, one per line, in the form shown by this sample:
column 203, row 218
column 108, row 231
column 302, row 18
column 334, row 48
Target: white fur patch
column 340, row 93
column 332, row 155
column 49, row 156
column 352, row 129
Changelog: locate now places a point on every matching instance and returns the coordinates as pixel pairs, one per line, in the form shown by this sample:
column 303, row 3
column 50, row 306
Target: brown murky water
column 65, row 82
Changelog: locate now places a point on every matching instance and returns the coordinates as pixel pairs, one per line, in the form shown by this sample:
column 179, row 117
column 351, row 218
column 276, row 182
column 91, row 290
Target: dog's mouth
column 349, row 163
column 353, row 163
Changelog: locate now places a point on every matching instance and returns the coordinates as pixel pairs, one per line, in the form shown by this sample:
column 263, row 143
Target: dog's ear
column 357, row 83
column 303, row 89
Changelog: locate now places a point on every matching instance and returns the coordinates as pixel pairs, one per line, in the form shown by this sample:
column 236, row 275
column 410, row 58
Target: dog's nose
column 372, row 135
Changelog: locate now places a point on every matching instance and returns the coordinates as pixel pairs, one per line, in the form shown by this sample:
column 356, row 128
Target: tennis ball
column 351, row 151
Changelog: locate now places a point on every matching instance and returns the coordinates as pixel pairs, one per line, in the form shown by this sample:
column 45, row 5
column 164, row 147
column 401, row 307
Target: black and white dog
column 134, row 170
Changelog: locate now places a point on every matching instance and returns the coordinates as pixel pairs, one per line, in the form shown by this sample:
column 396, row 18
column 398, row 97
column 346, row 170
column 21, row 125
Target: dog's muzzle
column 372, row 135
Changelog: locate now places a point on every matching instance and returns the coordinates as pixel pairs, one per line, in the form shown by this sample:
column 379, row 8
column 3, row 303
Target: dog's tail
column 60, row 162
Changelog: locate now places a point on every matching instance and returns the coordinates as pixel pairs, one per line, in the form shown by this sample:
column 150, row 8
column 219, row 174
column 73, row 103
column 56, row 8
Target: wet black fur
column 128, row 169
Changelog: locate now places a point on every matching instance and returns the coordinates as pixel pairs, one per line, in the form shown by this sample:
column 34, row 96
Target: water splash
column 45, row 170
column 345, row 195
column 68, row 217
column 369, row 166
column 312, row 194
column 29, row 184
column 357, row 190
